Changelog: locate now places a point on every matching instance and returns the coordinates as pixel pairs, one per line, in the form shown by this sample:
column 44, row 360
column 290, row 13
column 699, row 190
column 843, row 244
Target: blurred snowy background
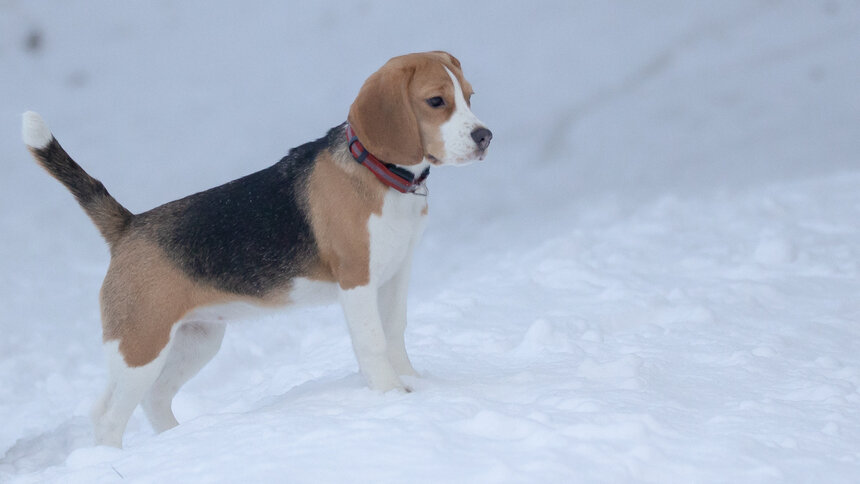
column 652, row 277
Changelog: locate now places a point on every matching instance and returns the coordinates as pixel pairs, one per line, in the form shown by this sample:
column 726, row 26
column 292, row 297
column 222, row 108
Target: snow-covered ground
column 654, row 277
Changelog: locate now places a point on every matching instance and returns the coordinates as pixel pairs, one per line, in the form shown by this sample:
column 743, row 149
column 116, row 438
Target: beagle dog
column 336, row 219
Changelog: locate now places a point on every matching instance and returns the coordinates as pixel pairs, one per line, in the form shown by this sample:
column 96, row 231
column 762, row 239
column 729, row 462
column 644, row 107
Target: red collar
column 390, row 174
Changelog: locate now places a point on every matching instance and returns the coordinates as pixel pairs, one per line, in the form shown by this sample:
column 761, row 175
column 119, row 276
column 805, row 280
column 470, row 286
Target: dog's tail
column 111, row 218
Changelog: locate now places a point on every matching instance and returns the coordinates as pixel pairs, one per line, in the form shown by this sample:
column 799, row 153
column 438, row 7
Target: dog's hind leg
column 144, row 299
column 126, row 387
column 193, row 345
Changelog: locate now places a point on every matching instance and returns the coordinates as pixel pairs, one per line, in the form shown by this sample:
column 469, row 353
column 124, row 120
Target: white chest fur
column 394, row 233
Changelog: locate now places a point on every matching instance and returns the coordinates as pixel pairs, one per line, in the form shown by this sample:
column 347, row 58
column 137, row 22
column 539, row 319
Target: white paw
column 108, row 435
column 384, row 379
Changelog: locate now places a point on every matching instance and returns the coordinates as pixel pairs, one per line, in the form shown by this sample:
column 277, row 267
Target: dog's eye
column 436, row 102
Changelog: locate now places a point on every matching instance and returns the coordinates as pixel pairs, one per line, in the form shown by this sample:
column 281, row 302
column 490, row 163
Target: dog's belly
column 308, row 292
column 302, row 292
column 230, row 312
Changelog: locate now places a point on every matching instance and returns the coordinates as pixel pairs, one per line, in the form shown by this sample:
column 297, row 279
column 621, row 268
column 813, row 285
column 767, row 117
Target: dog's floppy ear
column 383, row 119
column 451, row 58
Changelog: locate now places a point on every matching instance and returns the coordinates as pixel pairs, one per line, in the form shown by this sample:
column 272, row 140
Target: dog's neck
column 404, row 179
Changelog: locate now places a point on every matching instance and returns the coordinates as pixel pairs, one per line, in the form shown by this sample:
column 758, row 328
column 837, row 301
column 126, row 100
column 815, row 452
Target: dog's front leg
column 392, row 307
column 361, row 308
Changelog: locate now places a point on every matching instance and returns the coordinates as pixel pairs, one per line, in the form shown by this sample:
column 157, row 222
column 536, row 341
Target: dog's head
column 417, row 107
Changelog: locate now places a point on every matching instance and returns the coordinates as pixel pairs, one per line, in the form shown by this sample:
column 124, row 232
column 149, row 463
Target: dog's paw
column 395, row 385
column 384, row 379
column 404, row 388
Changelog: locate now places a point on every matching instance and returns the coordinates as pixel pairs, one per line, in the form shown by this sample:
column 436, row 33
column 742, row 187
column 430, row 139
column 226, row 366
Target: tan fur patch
column 341, row 197
column 144, row 295
column 383, row 118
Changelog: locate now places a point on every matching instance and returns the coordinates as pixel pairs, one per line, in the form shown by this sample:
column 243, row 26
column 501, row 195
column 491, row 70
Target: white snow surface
column 653, row 277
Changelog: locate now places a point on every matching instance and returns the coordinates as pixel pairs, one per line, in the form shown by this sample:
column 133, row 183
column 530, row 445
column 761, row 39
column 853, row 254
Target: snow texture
column 653, row 277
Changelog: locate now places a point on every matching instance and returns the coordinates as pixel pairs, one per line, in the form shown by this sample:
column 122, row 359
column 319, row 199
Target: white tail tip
column 35, row 131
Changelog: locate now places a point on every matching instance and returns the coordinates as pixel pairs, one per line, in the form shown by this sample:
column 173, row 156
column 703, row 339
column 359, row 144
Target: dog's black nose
column 482, row 137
